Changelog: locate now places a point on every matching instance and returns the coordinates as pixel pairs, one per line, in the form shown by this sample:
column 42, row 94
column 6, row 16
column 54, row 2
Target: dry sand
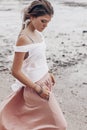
column 66, row 38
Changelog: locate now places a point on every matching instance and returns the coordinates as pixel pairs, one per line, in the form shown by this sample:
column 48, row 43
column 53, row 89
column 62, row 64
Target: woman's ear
column 31, row 18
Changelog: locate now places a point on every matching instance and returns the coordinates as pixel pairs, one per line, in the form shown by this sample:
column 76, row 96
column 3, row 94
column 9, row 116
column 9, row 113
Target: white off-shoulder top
column 35, row 65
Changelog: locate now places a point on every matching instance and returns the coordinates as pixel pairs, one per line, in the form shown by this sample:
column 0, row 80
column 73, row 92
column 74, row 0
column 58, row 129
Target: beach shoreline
column 66, row 40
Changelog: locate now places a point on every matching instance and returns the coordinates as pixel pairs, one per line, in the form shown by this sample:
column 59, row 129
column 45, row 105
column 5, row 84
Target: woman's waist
column 34, row 67
column 36, row 75
column 33, row 71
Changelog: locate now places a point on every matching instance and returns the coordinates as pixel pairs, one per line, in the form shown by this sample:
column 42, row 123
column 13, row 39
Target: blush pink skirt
column 26, row 110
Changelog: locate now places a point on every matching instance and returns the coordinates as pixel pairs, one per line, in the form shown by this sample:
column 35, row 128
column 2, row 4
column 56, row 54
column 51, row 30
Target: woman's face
column 41, row 22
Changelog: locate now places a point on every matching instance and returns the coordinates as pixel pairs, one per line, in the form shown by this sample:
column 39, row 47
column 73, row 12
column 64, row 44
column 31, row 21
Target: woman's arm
column 16, row 69
column 17, row 64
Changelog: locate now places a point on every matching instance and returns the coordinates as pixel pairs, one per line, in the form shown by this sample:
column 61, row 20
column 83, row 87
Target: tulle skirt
column 26, row 110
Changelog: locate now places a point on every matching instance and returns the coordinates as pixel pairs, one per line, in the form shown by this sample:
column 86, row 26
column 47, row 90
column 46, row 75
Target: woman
column 32, row 106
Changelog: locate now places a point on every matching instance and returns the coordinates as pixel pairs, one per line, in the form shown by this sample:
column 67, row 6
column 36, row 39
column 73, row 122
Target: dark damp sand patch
column 75, row 4
column 57, row 63
column 6, row 9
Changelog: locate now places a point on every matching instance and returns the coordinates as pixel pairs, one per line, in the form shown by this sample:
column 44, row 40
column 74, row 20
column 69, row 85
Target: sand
column 66, row 38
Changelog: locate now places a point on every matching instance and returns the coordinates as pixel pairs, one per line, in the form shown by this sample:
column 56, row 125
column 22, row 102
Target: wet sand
column 66, row 38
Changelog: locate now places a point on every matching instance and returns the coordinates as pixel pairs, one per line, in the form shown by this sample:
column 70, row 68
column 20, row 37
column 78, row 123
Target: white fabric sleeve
column 25, row 48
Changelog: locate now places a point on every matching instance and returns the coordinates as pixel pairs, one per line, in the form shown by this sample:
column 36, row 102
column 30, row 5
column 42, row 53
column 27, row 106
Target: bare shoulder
column 23, row 39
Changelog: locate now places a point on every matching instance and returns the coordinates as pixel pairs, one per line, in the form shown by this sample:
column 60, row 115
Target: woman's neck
column 31, row 28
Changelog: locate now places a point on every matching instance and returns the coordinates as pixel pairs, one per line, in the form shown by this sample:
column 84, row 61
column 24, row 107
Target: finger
column 47, row 97
column 46, row 83
column 45, row 88
column 44, row 95
column 53, row 79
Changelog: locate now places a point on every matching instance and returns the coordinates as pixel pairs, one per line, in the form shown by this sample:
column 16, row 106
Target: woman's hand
column 43, row 91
